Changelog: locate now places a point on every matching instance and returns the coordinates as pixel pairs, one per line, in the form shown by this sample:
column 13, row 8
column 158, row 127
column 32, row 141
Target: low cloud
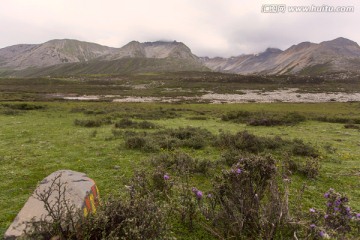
column 212, row 28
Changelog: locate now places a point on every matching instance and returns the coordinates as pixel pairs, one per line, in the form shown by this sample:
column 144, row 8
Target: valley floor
column 38, row 138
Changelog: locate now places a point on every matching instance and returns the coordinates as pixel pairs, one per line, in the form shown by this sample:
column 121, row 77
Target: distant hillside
column 53, row 52
column 339, row 54
column 119, row 66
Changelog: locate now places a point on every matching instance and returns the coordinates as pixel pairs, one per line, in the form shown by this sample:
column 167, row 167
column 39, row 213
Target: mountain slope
column 50, row 53
column 339, row 54
column 119, row 66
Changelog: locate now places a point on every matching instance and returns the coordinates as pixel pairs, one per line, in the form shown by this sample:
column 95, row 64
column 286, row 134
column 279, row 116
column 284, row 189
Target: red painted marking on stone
column 87, row 203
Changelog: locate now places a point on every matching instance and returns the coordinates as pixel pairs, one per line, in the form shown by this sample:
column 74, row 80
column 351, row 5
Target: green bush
column 246, row 202
column 301, row 149
column 125, row 123
column 181, row 162
column 23, row 106
column 195, row 138
column 352, row 126
column 87, row 123
column 248, row 142
column 335, row 119
column 136, row 142
column 264, row 118
column 311, row 169
column 128, row 123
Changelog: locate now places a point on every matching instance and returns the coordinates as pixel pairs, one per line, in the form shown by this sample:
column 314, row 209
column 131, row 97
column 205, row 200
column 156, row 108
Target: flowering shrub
column 337, row 220
column 311, row 168
column 181, row 162
column 246, row 200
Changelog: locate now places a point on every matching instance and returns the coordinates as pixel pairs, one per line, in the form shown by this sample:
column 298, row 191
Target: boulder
column 78, row 190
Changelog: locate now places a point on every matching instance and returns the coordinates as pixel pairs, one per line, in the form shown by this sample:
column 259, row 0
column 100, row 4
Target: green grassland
column 110, row 142
column 38, row 138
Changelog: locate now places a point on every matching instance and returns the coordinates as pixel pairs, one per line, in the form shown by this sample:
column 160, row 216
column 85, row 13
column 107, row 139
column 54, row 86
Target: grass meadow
column 38, row 138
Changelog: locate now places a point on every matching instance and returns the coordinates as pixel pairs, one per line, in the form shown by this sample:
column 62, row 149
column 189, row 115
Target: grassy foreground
column 40, row 138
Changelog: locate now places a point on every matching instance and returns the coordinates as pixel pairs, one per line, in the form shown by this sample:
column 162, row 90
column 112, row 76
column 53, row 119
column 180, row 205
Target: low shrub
column 146, row 125
column 230, row 157
column 336, row 221
column 23, row 106
column 351, row 126
column 9, row 112
column 246, row 201
column 248, row 142
column 197, row 118
column 156, row 114
column 125, row 123
column 92, row 122
column 128, row 123
column 136, row 142
column 335, row 119
column 181, row 162
column 195, row 138
column 264, row 118
column 87, row 123
column 299, row 148
column 239, row 116
column 310, row 168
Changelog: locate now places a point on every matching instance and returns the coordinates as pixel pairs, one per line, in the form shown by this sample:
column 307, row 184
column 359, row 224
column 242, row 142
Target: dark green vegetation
column 120, row 66
column 185, row 84
column 120, row 144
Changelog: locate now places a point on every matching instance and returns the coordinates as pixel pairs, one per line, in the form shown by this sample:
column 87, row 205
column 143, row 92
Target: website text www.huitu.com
column 283, row 8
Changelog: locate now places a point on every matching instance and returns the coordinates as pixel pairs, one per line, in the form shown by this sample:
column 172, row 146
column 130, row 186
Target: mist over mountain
column 68, row 57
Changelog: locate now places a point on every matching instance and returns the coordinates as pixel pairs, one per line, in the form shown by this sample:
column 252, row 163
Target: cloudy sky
column 208, row 27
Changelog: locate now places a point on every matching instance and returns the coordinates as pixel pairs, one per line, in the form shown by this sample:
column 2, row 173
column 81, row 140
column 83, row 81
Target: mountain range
column 71, row 57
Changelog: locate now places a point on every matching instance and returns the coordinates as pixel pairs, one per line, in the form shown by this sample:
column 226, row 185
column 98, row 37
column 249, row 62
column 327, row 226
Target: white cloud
column 208, row 27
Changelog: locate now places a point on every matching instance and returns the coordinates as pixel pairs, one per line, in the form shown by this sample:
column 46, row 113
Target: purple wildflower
column 209, row 195
column 328, row 204
column 337, row 202
column 238, row 171
column 326, row 195
column 194, row 189
column 326, row 216
column 336, row 209
column 322, row 234
column 312, row 210
column 312, row 225
column 199, row 194
column 347, row 209
column 358, row 215
column 166, row 177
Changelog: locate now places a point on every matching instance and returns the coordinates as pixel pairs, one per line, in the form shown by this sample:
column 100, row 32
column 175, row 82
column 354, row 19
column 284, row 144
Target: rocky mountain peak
column 341, row 41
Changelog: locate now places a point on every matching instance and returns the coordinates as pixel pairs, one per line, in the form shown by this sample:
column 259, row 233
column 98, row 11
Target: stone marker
column 80, row 192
